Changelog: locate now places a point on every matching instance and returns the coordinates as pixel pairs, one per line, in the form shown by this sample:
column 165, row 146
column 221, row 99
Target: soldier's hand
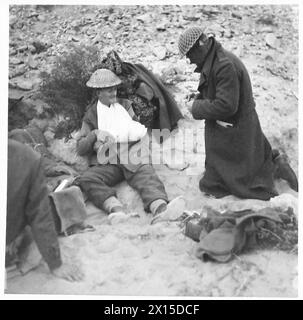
column 97, row 145
column 105, row 136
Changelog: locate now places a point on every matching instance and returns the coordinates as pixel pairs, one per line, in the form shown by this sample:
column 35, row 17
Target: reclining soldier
column 112, row 121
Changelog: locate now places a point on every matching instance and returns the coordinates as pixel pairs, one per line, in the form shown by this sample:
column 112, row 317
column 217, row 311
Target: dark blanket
column 169, row 113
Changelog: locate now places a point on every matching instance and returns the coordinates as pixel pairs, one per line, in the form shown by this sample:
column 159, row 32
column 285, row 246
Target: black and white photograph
column 151, row 150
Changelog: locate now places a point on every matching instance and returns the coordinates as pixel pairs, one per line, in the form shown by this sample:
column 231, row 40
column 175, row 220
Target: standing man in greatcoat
column 239, row 158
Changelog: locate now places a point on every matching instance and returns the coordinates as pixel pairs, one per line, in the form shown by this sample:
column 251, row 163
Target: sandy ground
column 135, row 258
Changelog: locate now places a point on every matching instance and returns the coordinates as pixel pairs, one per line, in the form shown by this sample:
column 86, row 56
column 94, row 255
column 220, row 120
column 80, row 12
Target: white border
column 4, row 23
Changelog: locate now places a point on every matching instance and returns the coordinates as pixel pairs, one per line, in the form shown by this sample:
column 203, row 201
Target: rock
column 210, row 10
column 247, row 25
column 31, row 62
column 215, row 29
column 12, row 20
column 23, row 84
column 172, row 75
column 42, row 18
column 31, row 48
column 15, row 61
column 171, row 49
column 228, row 33
column 125, row 34
column 248, row 29
column 15, row 95
column 268, row 19
column 238, row 52
column 236, row 15
column 19, row 25
column 49, row 135
column 90, row 17
column 39, row 46
column 145, row 18
column 12, row 51
column 269, row 57
column 266, row 29
column 109, row 35
column 90, row 31
column 161, row 26
column 22, row 48
column 160, row 52
column 194, row 17
column 20, row 113
column 33, row 15
column 98, row 39
column 20, row 70
column 272, row 41
column 75, row 23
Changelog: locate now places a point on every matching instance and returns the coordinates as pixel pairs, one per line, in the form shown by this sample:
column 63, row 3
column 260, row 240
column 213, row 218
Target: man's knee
column 146, row 172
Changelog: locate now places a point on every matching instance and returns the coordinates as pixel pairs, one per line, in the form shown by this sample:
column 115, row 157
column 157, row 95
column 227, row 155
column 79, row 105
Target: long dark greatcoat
column 239, row 158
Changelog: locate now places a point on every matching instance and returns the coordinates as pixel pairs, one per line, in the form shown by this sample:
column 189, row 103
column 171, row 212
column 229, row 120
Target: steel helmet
column 188, row 39
column 103, row 78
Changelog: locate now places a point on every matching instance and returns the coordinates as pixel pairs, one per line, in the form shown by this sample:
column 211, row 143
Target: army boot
column 285, row 172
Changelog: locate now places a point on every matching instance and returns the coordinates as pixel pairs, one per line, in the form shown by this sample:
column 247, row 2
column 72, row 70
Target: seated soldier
column 28, row 205
column 109, row 119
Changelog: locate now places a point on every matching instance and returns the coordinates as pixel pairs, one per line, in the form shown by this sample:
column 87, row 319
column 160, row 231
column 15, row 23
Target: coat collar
column 207, row 65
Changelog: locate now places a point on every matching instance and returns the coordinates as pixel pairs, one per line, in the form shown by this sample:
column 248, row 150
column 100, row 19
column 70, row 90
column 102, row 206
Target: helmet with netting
column 188, row 38
column 103, row 78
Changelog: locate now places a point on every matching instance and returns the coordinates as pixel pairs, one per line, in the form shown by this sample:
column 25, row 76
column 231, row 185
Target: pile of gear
column 222, row 236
